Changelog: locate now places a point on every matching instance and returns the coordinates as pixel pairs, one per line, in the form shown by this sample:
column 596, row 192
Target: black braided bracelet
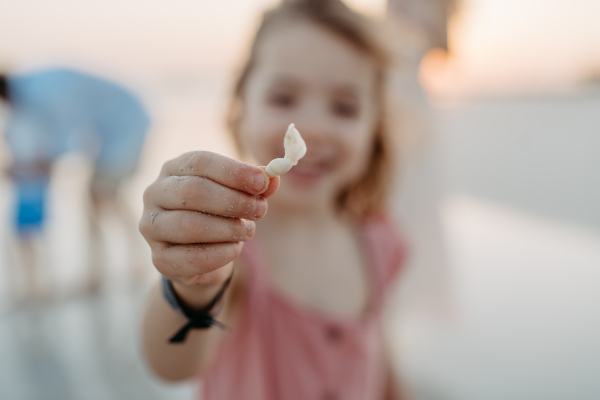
column 202, row 318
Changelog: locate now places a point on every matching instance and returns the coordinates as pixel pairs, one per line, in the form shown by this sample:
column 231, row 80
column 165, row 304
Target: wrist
column 198, row 316
column 195, row 296
column 199, row 290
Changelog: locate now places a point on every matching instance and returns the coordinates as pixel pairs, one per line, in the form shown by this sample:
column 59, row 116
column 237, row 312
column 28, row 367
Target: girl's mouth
column 310, row 171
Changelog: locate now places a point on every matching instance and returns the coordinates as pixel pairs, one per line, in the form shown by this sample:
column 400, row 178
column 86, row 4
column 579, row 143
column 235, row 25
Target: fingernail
column 261, row 207
column 250, row 228
column 259, row 182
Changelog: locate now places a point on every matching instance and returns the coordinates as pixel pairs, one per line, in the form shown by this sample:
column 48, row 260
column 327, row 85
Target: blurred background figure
column 32, row 155
column 416, row 28
column 54, row 111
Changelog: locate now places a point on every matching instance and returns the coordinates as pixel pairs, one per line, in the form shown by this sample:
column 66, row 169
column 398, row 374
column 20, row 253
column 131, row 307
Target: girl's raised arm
column 197, row 215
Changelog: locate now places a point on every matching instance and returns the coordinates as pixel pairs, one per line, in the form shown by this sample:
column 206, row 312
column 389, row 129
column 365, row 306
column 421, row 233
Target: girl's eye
column 284, row 100
column 345, row 109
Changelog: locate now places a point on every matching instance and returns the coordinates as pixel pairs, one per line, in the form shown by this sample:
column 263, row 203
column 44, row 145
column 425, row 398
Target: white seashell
column 294, row 145
column 279, row 166
column 295, row 149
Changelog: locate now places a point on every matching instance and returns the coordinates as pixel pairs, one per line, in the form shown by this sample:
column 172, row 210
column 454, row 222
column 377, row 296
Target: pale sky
column 500, row 45
column 497, row 44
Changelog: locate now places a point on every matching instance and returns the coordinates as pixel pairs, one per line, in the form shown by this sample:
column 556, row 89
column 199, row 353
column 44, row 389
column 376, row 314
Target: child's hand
column 198, row 213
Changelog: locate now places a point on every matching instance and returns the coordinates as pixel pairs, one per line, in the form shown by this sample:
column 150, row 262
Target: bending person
column 58, row 110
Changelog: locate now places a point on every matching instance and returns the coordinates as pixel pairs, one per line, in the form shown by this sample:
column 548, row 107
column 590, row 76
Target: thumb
column 273, row 185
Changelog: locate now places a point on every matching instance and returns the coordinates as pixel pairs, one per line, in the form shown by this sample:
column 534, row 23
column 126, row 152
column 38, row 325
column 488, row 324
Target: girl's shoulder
column 386, row 246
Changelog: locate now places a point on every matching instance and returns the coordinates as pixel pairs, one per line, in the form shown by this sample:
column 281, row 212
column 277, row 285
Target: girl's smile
column 310, row 172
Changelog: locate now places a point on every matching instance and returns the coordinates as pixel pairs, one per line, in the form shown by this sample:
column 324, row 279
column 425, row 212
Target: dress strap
column 386, row 250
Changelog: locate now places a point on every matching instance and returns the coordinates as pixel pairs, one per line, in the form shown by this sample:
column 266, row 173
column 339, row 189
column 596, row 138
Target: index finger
column 223, row 170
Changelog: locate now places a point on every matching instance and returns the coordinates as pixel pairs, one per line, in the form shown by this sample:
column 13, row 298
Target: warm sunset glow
column 434, row 72
column 517, row 45
column 496, row 45
column 375, row 8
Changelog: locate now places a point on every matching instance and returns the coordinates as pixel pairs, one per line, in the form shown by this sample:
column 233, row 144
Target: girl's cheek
column 357, row 152
column 351, row 162
column 254, row 133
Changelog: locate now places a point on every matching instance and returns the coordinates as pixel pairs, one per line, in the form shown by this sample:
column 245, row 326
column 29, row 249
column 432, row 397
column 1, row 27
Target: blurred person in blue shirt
column 57, row 110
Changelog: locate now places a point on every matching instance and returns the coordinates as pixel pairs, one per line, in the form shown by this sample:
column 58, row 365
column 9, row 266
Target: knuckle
column 159, row 259
column 148, row 195
column 172, row 165
column 185, row 162
column 143, row 226
column 200, row 160
column 187, row 156
column 235, row 250
column 167, row 166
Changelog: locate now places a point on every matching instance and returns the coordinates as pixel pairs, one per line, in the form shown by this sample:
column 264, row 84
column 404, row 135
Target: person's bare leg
column 138, row 271
column 14, row 263
column 29, row 256
column 106, row 200
column 97, row 257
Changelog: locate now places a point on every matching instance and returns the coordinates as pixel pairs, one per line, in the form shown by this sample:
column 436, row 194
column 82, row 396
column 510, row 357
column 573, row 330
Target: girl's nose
column 314, row 125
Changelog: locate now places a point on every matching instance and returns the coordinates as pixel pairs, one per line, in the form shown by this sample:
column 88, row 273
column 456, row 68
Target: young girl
column 303, row 307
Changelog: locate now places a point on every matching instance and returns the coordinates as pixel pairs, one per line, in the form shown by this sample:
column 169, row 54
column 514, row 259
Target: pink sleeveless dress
column 281, row 351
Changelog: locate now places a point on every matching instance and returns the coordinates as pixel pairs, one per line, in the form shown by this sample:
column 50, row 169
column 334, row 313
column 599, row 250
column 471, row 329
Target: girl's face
column 308, row 75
